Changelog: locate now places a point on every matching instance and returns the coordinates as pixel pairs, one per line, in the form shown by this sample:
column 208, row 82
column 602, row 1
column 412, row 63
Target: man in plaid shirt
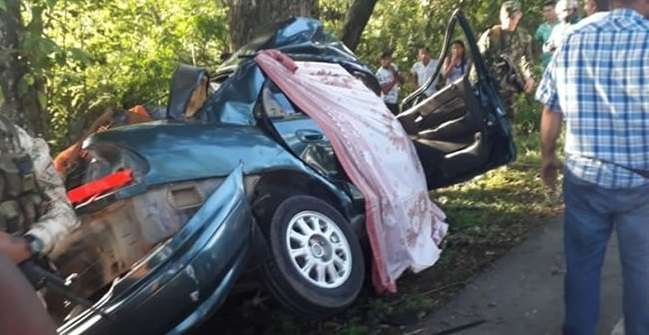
column 598, row 82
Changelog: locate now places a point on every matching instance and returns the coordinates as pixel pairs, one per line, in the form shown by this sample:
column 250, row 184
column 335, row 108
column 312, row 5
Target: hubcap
column 318, row 249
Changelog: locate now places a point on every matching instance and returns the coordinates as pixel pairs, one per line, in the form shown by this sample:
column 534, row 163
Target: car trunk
column 115, row 235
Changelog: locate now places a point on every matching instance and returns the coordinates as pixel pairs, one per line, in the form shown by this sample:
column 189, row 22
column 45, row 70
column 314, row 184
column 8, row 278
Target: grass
column 487, row 217
column 501, row 199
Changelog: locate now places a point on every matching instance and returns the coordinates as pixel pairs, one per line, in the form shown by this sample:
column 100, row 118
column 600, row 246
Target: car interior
column 455, row 131
column 449, row 133
column 189, row 91
column 458, row 132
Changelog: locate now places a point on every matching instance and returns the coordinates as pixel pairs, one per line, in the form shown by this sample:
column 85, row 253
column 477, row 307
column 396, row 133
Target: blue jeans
column 592, row 212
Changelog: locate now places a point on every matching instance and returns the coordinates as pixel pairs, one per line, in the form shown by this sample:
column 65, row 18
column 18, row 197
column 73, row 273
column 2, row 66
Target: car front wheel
column 316, row 266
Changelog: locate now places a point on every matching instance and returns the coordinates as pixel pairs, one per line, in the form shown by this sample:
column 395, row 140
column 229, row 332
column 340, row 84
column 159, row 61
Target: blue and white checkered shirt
column 599, row 80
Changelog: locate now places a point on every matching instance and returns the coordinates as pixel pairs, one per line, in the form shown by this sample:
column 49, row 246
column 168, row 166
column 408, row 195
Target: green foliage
column 398, row 25
column 405, row 25
column 95, row 54
column 87, row 55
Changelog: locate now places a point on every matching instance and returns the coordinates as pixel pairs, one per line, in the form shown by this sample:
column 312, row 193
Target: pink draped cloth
column 404, row 226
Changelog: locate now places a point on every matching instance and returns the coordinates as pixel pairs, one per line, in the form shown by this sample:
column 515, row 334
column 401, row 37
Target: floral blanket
column 403, row 225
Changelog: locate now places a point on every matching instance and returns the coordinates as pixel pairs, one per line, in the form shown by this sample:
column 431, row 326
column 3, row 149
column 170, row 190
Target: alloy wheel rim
column 318, row 249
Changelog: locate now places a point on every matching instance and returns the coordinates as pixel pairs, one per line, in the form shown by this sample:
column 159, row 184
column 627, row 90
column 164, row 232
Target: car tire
column 314, row 271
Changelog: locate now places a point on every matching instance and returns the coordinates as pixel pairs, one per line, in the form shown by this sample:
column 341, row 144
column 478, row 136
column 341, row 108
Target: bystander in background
column 595, row 6
column 456, row 64
column 567, row 14
column 544, row 31
column 424, row 69
column 507, row 51
column 389, row 79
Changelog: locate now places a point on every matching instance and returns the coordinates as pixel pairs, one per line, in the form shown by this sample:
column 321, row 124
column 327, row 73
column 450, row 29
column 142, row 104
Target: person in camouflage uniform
column 34, row 210
column 507, row 52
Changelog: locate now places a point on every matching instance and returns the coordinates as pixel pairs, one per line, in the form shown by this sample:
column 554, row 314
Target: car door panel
column 450, row 134
column 461, row 131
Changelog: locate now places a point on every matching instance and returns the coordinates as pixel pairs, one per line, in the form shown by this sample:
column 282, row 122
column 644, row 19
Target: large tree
column 246, row 18
column 20, row 101
column 355, row 21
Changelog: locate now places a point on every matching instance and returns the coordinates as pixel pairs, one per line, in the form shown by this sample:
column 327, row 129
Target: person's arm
column 59, row 218
column 550, row 130
column 484, row 43
column 551, row 120
column 16, row 248
column 21, row 311
column 550, row 45
column 386, row 84
column 447, row 67
column 67, row 159
column 525, row 63
column 385, row 88
column 397, row 75
column 414, row 71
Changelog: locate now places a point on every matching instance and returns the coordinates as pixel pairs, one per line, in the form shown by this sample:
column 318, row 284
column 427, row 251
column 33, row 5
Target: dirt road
column 522, row 292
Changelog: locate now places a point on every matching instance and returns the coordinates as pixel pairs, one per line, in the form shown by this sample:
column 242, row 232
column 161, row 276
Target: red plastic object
column 100, row 186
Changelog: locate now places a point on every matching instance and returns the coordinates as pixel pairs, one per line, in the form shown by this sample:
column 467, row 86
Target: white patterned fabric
column 404, row 226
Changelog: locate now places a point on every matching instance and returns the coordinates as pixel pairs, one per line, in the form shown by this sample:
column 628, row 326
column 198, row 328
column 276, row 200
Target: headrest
column 188, row 92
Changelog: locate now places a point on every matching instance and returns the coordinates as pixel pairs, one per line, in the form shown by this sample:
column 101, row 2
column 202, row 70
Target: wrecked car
column 304, row 39
column 173, row 211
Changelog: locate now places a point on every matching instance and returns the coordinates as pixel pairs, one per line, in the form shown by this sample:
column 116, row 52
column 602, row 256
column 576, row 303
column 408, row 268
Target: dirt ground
column 522, row 293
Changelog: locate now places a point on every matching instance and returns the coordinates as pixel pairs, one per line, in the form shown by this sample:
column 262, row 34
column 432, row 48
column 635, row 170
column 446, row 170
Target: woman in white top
column 455, row 65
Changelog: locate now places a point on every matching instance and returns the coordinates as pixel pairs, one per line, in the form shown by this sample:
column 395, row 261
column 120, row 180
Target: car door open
column 461, row 131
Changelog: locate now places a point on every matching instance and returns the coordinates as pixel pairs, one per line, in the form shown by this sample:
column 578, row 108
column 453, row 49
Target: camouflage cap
column 511, row 7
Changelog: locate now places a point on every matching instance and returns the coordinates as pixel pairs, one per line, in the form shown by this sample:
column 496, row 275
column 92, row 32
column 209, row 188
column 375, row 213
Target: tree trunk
column 355, row 21
column 247, row 18
column 19, row 96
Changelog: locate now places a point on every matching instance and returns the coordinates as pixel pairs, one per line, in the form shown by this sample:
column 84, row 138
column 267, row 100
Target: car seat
column 189, row 89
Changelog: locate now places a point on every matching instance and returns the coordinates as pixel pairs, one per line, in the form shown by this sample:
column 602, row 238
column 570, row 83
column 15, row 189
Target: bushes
column 96, row 54
column 118, row 54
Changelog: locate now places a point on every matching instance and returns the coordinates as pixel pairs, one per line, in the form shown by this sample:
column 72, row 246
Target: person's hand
column 549, row 171
column 529, row 85
column 15, row 248
column 455, row 60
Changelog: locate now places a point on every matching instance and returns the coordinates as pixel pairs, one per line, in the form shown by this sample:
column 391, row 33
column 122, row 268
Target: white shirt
column 559, row 32
column 457, row 72
column 385, row 77
column 423, row 72
column 562, row 30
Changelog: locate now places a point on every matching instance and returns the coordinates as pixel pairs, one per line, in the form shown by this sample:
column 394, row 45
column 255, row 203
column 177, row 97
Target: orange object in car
column 68, row 158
